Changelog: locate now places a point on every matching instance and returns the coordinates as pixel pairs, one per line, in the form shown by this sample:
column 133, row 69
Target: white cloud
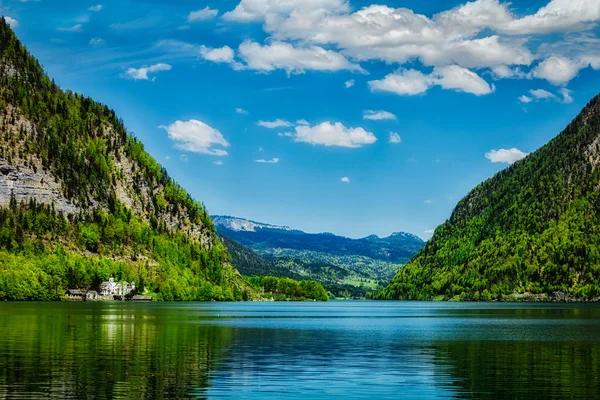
column 74, row 28
column 219, row 163
column 404, row 82
column 378, row 115
column 345, row 179
column 504, row 72
column 558, row 70
column 278, row 123
column 196, row 137
column 96, row 41
column 413, row 82
column 202, row 15
column 349, row 84
column 263, row 161
column 96, row 8
column 509, row 156
column 220, row 55
column 395, row 138
column 328, row 134
column 184, row 158
column 556, row 16
column 525, row 99
column 142, row 73
column 461, row 80
column 542, row 94
column 430, row 231
column 13, row 23
column 257, row 10
column 479, row 34
column 566, row 93
column 294, row 60
column 302, row 122
column 241, row 111
column 400, row 35
column 428, row 201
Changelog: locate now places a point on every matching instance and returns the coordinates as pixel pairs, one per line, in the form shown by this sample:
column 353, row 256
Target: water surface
column 349, row 350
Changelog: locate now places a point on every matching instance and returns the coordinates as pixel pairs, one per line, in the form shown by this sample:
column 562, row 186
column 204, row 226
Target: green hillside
column 81, row 200
column 533, row 229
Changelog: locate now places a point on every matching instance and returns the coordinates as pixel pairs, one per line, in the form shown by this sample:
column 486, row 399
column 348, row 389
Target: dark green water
column 346, row 350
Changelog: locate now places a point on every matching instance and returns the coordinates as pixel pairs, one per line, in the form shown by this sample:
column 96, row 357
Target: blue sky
column 326, row 115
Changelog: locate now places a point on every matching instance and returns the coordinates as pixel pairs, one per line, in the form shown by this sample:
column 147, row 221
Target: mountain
column 531, row 231
column 81, row 200
column 346, row 267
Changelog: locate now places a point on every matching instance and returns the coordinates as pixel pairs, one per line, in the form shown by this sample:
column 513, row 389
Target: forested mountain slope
column 80, row 200
column 533, row 229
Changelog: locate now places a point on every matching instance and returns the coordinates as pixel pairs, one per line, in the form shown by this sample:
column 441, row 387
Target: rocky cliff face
column 24, row 177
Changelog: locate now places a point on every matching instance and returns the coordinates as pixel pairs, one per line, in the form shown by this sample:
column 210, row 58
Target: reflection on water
column 299, row 350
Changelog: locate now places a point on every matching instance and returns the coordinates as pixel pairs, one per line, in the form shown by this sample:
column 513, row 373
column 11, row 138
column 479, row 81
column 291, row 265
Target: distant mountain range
column 342, row 264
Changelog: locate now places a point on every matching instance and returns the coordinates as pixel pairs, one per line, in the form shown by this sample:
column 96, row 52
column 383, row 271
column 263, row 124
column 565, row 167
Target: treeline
column 282, row 288
column 532, row 228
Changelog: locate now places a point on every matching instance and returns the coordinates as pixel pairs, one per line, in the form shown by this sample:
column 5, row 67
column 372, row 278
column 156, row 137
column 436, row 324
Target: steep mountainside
column 80, row 200
column 346, row 267
column 531, row 230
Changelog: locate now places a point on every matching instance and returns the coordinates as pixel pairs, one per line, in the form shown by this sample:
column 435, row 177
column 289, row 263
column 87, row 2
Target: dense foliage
column 282, row 288
column 92, row 248
column 343, row 277
column 534, row 228
column 167, row 244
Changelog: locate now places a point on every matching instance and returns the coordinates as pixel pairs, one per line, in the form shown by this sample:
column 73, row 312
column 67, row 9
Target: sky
column 350, row 117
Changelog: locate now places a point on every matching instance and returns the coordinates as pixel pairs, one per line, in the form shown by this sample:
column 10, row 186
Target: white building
column 112, row 288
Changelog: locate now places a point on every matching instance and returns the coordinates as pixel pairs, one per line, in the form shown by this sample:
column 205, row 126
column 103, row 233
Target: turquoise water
column 334, row 350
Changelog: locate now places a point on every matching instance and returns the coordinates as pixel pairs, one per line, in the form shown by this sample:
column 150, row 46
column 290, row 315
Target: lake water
column 334, row 350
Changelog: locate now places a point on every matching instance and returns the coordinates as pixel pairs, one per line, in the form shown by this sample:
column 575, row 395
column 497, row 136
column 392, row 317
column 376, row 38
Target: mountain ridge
column 228, row 221
column 81, row 199
column 530, row 231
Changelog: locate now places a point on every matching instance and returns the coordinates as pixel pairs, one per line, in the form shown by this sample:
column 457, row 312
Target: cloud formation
column 295, row 60
column 143, row 73
column 220, row 55
column 202, row 15
column 336, row 134
column 395, row 138
column 509, row 156
column 74, row 28
column 412, row 82
column 476, row 35
column 258, row 10
column 196, row 137
column 278, row 123
column 378, row 115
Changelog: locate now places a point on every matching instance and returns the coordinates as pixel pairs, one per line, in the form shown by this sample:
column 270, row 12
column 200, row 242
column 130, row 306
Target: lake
column 334, row 350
